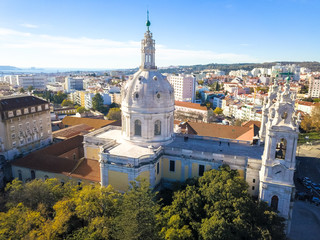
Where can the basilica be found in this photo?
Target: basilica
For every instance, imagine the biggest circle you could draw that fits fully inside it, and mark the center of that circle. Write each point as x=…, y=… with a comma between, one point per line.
x=147, y=147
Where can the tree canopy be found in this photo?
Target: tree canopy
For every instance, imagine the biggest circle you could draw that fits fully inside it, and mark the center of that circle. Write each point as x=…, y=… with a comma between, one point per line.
x=312, y=123
x=97, y=102
x=114, y=114
x=218, y=111
x=66, y=103
x=215, y=206
x=218, y=206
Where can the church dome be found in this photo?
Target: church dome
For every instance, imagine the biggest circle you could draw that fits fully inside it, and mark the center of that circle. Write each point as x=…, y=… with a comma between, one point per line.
x=147, y=101
x=148, y=91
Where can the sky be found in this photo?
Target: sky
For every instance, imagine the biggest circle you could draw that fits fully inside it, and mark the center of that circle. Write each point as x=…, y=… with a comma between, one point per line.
x=106, y=34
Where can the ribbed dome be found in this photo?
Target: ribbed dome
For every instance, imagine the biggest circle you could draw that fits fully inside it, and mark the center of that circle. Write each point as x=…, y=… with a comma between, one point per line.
x=148, y=91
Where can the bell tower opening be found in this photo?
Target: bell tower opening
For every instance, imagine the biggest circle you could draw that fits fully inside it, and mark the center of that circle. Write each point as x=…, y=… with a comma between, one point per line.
x=281, y=149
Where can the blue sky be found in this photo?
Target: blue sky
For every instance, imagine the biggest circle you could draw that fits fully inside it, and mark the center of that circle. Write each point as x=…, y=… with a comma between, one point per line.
x=107, y=33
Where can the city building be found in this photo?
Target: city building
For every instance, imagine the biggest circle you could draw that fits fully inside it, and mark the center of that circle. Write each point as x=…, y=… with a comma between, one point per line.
x=314, y=87
x=184, y=86
x=35, y=81
x=25, y=125
x=191, y=111
x=73, y=83
x=55, y=87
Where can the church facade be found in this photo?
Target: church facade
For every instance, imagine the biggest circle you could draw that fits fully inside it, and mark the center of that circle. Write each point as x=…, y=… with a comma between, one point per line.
x=146, y=146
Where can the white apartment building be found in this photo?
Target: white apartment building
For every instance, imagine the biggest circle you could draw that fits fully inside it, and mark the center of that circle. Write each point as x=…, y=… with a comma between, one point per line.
x=11, y=79
x=55, y=87
x=73, y=84
x=89, y=96
x=314, y=87
x=36, y=81
x=184, y=86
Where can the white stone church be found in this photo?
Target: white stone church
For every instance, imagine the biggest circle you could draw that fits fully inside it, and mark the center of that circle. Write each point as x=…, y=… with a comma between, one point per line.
x=146, y=146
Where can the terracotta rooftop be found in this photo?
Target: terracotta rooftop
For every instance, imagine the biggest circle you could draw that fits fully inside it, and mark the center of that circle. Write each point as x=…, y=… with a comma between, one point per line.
x=250, y=123
x=222, y=131
x=10, y=103
x=72, y=131
x=88, y=169
x=94, y=123
x=190, y=105
x=48, y=160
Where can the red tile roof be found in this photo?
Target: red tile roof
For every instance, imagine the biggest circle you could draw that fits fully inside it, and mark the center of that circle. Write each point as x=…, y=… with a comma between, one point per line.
x=222, y=131
x=190, y=105
x=95, y=123
x=72, y=131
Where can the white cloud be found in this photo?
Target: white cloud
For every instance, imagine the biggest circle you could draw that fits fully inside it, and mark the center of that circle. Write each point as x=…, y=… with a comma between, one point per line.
x=24, y=49
x=28, y=25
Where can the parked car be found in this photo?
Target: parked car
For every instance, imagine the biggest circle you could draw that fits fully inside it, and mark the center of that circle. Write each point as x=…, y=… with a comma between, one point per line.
x=315, y=200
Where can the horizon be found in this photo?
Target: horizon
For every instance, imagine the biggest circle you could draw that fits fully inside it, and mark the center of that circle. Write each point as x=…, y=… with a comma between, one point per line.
x=107, y=35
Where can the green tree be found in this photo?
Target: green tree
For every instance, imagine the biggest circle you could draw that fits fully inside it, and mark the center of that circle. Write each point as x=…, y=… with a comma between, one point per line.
x=97, y=102
x=81, y=110
x=218, y=206
x=218, y=111
x=36, y=192
x=315, y=115
x=21, y=90
x=137, y=218
x=114, y=114
x=66, y=103
x=59, y=97
x=30, y=88
x=20, y=223
x=306, y=123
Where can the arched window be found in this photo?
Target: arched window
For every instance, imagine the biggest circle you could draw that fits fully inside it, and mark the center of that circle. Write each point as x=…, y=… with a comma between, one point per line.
x=33, y=174
x=157, y=128
x=137, y=128
x=274, y=202
x=20, y=175
x=281, y=149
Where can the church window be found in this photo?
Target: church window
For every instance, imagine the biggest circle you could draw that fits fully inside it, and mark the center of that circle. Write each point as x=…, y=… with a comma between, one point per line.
x=172, y=166
x=157, y=128
x=252, y=187
x=158, y=95
x=158, y=167
x=137, y=128
x=274, y=202
x=20, y=175
x=201, y=170
x=253, y=180
x=33, y=174
x=284, y=115
x=137, y=95
x=281, y=149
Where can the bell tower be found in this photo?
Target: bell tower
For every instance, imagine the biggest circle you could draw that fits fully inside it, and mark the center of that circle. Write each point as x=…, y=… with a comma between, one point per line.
x=279, y=156
x=148, y=49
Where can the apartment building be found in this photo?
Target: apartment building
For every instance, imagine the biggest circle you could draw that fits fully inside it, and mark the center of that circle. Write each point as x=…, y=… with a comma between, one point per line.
x=24, y=125
x=314, y=87
x=73, y=84
x=184, y=86
x=37, y=82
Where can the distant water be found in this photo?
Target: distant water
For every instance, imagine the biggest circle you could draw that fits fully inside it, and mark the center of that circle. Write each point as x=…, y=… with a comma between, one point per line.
x=51, y=70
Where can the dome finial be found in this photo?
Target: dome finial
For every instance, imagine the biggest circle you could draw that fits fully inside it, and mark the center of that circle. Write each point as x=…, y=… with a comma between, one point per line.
x=148, y=22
